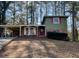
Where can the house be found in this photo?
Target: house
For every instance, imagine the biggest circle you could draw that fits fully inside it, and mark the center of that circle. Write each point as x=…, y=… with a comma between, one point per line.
x=56, y=27
x=22, y=30
x=49, y=24
x=55, y=23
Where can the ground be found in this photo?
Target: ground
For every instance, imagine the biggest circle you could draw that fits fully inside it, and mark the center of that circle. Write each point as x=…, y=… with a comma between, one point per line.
x=40, y=48
x=4, y=42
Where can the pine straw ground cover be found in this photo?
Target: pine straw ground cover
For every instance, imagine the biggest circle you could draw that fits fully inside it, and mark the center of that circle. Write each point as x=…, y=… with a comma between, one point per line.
x=40, y=48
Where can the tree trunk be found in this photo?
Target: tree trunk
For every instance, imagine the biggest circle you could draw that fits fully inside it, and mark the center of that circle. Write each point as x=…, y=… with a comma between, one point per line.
x=74, y=29
x=32, y=17
x=27, y=12
x=46, y=8
x=64, y=8
x=3, y=17
x=55, y=9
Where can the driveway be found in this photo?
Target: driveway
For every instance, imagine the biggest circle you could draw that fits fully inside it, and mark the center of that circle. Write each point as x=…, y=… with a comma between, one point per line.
x=4, y=41
x=40, y=48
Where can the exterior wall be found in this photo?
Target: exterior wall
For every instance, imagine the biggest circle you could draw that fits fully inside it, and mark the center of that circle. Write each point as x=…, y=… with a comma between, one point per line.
x=62, y=27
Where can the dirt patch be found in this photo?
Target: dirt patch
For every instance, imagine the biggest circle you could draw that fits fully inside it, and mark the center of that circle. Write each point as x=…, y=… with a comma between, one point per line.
x=40, y=48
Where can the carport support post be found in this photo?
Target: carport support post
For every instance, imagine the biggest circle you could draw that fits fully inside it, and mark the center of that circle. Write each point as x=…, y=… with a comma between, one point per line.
x=20, y=31
x=5, y=31
x=28, y=30
x=37, y=31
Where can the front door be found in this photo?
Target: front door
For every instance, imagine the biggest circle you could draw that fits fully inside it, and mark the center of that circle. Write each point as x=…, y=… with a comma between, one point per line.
x=41, y=31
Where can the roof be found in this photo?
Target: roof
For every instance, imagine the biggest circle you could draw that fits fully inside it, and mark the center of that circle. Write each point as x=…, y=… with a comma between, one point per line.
x=20, y=25
x=52, y=17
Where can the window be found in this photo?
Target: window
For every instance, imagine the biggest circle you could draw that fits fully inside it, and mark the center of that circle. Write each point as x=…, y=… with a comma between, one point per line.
x=56, y=21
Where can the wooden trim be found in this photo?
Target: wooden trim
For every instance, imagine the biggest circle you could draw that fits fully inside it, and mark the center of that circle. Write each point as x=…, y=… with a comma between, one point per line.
x=20, y=32
x=5, y=31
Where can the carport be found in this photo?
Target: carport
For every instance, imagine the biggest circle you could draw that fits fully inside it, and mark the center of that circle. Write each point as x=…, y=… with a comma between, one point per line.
x=10, y=30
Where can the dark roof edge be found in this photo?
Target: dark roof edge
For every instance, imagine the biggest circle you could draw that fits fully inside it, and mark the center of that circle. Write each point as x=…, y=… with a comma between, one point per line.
x=54, y=16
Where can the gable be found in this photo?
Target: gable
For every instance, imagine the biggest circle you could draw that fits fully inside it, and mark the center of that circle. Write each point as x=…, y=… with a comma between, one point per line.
x=46, y=18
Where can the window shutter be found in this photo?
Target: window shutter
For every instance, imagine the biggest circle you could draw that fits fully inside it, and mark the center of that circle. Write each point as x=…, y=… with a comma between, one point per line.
x=52, y=20
x=60, y=20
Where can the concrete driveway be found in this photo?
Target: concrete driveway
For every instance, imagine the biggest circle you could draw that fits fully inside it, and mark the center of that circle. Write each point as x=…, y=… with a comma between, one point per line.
x=40, y=48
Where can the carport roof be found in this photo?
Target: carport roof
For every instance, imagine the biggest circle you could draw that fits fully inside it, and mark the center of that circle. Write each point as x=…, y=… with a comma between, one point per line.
x=20, y=25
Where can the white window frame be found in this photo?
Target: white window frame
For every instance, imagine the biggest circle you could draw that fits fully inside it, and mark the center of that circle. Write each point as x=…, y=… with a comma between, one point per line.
x=56, y=21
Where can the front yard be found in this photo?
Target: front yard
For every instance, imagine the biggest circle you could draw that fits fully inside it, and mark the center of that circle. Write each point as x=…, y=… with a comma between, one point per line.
x=40, y=48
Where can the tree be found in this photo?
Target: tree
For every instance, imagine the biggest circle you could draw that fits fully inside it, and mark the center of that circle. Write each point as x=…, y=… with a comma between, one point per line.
x=3, y=7
x=74, y=28
x=73, y=12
